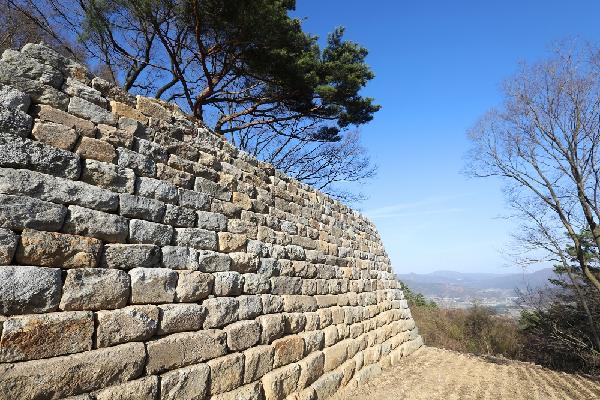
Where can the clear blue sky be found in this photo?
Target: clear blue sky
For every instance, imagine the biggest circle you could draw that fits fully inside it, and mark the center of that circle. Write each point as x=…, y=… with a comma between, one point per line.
x=439, y=66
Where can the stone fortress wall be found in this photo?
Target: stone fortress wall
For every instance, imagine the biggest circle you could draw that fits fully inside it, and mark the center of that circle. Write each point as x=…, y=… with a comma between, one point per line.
x=144, y=257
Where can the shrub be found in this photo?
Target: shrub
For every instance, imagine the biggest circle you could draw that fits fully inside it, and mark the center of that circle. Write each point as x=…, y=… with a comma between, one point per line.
x=477, y=330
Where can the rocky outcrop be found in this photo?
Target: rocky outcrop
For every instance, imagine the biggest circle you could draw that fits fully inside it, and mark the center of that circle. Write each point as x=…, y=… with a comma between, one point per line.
x=144, y=257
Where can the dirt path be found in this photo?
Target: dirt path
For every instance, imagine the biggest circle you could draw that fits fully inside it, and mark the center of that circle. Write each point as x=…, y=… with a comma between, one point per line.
x=431, y=374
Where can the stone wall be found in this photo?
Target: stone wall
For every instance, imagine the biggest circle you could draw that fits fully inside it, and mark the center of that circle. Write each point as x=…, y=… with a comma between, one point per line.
x=144, y=257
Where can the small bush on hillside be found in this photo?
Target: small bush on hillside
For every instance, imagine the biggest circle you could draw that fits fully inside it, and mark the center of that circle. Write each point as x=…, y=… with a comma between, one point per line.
x=477, y=330
x=416, y=299
x=560, y=328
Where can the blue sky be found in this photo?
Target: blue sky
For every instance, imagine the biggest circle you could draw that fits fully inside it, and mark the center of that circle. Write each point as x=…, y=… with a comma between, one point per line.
x=439, y=66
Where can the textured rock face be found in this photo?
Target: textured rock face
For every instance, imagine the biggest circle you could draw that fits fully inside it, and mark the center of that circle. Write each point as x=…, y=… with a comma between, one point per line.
x=144, y=257
x=58, y=377
x=51, y=249
x=129, y=324
x=27, y=289
x=32, y=337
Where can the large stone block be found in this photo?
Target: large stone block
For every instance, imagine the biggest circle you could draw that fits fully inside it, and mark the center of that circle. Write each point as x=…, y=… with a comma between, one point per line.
x=250, y=306
x=286, y=285
x=124, y=110
x=194, y=200
x=20, y=212
x=256, y=284
x=157, y=189
x=185, y=383
x=272, y=304
x=40, y=52
x=57, y=190
x=14, y=119
x=26, y=290
x=81, y=126
x=313, y=341
x=335, y=355
x=232, y=242
x=183, y=349
x=51, y=249
x=212, y=221
x=108, y=176
x=295, y=252
x=312, y=321
x=141, y=164
x=32, y=337
x=196, y=238
x=211, y=188
x=154, y=150
x=116, y=137
x=328, y=384
x=129, y=324
x=221, y=311
x=141, y=389
x=39, y=92
x=129, y=256
x=14, y=99
x=179, y=257
x=90, y=111
x=272, y=327
x=141, y=231
x=8, y=246
x=176, y=177
x=30, y=68
x=152, y=285
x=194, y=286
x=55, y=135
x=210, y=261
x=15, y=122
x=96, y=149
x=244, y=262
x=311, y=369
x=86, y=222
x=242, y=335
x=288, y=349
x=242, y=200
x=282, y=382
x=258, y=361
x=180, y=318
x=299, y=303
x=95, y=289
x=252, y=391
x=141, y=207
x=154, y=108
x=226, y=373
x=294, y=322
x=305, y=394
x=180, y=217
x=75, y=88
x=228, y=283
x=78, y=373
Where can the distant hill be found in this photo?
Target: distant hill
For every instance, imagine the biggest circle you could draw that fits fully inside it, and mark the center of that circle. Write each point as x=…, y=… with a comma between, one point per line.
x=452, y=284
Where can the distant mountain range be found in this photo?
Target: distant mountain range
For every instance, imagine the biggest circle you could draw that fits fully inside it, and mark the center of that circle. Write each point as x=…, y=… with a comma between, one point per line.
x=451, y=284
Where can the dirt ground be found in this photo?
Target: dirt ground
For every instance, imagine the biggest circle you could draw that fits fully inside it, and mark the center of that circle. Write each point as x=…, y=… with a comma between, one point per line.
x=431, y=374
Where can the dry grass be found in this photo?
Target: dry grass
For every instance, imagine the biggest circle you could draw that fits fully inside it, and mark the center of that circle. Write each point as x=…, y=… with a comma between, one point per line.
x=435, y=374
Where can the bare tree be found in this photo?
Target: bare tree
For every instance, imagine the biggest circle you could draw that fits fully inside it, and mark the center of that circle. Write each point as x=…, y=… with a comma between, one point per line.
x=18, y=29
x=540, y=231
x=543, y=141
x=296, y=150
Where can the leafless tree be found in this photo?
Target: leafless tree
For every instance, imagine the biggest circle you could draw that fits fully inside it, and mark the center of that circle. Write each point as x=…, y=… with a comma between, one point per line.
x=326, y=165
x=543, y=141
x=540, y=231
